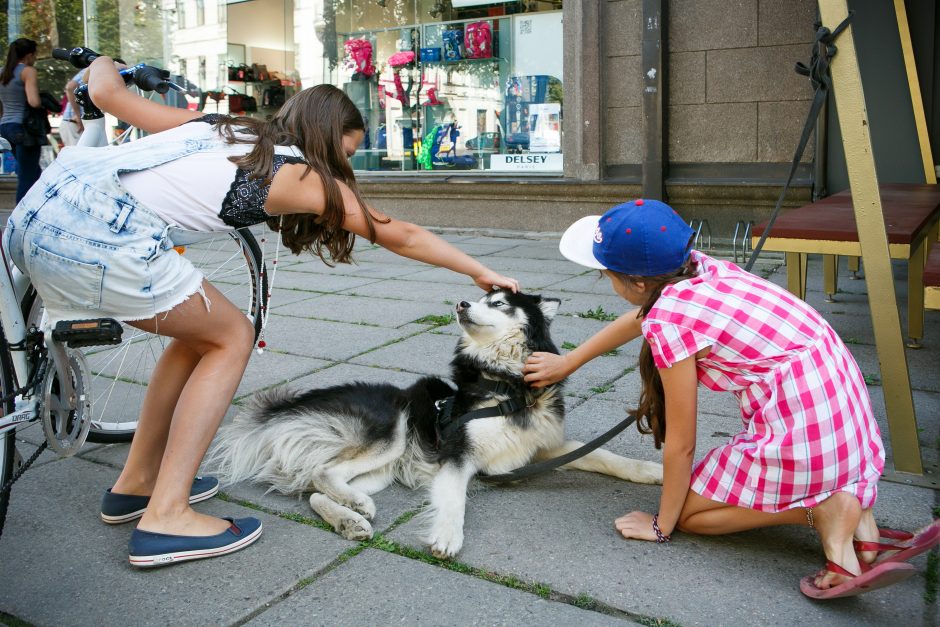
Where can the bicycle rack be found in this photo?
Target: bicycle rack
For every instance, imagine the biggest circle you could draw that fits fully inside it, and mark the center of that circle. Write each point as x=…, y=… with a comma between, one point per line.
x=697, y=226
x=743, y=229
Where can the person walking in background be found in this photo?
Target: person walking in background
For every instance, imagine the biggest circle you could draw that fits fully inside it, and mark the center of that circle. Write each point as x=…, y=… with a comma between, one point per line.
x=71, y=127
x=19, y=89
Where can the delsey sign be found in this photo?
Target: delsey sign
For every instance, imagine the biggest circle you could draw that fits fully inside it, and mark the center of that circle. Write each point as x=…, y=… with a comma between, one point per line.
x=533, y=162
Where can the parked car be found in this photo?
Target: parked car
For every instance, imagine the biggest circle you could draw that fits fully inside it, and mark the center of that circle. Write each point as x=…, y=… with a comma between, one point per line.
x=484, y=141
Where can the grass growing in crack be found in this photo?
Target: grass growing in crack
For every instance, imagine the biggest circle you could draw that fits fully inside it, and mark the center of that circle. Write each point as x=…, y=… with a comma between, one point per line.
x=293, y=516
x=568, y=346
x=585, y=601
x=932, y=576
x=600, y=389
x=384, y=544
x=437, y=321
x=13, y=621
x=871, y=379
x=656, y=622
x=598, y=314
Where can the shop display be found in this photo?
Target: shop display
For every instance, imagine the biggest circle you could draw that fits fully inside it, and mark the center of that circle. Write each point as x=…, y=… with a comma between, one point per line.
x=478, y=94
x=359, y=58
x=241, y=103
x=430, y=55
x=453, y=44
x=478, y=40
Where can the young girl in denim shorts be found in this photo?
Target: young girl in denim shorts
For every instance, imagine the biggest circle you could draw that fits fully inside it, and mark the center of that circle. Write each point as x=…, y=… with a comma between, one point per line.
x=95, y=235
x=810, y=452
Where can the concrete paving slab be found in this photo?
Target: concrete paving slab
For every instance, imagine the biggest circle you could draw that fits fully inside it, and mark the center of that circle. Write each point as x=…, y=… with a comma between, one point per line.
x=432, y=293
x=402, y=591
x=427, y=353
x=347, y=373
x=580, y=304
x=558, y=530
x=547, y=250
x=530, y=281
x=62, y=565
x=327, y=340
x=295, y=278
x=269, y=369
x=381, y=312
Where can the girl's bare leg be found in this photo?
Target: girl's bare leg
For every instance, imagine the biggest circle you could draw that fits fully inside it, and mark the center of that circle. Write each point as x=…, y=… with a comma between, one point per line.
x=185, y=407
x=169, y=376
x=837, y=519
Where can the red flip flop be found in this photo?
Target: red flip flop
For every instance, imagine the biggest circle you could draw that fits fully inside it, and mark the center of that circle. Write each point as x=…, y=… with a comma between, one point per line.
x=878, y=576
x=912, y=544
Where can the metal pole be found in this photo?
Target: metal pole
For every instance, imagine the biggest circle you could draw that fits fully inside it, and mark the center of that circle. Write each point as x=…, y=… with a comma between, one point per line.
x=653, y=82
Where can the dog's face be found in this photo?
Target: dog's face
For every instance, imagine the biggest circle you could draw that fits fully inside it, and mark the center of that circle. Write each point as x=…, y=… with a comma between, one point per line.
x=504, y=318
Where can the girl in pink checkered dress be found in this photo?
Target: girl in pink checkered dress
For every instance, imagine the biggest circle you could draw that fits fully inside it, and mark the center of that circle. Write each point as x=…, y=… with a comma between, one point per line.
x=810, y=451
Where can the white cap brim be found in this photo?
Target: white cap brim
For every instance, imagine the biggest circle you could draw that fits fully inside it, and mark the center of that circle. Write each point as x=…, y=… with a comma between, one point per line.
x=577, y=243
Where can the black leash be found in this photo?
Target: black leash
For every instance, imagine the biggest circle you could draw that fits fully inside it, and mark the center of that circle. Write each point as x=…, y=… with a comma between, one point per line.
x=551, y=464
x=818, y=73
x=447, y=425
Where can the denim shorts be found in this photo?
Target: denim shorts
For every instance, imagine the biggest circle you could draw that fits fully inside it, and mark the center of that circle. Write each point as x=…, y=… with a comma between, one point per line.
x=92, y=256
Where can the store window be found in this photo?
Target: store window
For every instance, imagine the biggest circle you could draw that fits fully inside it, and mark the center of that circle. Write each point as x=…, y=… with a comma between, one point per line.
x=453, y=85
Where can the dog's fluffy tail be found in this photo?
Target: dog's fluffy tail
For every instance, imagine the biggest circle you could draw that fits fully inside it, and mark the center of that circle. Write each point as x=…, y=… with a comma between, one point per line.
x=278, y=441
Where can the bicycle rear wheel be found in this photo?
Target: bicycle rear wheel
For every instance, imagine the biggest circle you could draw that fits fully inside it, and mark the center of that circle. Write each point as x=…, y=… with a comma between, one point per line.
x=7, y=440
x=233, y=263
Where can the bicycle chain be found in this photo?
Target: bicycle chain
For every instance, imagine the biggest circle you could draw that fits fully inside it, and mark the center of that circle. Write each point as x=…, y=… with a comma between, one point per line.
x=19, y=473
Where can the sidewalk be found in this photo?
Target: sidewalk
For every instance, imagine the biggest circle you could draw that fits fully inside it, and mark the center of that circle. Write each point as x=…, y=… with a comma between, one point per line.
x=541, y=552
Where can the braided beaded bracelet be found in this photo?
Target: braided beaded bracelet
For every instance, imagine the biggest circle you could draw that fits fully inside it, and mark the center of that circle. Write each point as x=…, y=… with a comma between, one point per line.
x=660, y=536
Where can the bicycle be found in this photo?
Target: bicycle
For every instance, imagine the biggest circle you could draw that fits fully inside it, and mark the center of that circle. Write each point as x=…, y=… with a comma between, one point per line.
x=55, y=377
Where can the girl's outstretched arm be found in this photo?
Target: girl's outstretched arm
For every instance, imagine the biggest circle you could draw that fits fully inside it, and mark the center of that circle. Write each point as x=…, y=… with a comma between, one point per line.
x=543, y=369
x=292, y=192
x=680, y=383
x=108, y=92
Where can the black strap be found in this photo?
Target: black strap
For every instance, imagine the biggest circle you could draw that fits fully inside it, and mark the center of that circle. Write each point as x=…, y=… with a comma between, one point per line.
x=448, y=424
x=551, y=464
x=818, y=72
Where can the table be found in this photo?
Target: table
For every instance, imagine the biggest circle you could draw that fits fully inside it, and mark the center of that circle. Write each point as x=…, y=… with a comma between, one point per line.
x=827, y=227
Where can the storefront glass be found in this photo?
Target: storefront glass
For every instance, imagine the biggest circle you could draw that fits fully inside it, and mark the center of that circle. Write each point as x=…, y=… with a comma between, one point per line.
x=460, y=85
x=443, y=85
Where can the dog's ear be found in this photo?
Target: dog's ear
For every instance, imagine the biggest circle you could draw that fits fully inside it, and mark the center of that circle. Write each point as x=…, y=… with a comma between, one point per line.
x=549, y=307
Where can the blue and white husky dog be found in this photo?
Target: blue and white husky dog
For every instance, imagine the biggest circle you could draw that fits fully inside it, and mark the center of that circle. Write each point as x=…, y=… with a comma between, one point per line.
x=345, y=442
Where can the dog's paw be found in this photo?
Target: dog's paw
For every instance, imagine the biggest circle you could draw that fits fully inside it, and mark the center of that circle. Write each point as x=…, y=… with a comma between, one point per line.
x=445, y=544
x=365, y=506
x=354, y=528
x=648, y=472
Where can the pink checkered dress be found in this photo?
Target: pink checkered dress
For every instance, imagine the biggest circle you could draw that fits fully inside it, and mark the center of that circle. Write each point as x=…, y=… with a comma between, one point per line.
x=809, y=430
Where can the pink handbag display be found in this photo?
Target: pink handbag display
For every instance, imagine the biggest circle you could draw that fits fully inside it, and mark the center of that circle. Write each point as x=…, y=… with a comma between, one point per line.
x=359, y=57
x=401, y=59
x=478, y=40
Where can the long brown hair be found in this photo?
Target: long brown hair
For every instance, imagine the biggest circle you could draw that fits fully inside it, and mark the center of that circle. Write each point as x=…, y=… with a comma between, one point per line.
x=19, y=48
x=315, y=121
x=651, y=412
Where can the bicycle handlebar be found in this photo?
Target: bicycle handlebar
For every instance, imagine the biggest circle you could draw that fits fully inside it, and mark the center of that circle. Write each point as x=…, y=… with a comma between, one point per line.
x=146, y=77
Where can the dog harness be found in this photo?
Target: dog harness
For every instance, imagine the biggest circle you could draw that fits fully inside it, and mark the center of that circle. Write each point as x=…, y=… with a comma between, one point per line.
x=447, y=424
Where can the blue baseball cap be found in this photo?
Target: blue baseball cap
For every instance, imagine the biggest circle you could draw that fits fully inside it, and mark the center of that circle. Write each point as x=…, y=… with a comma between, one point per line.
x=639, y=238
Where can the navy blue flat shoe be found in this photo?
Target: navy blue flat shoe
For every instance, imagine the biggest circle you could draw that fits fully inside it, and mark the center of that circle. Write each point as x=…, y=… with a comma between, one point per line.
x=122, y=508
x=148, y=549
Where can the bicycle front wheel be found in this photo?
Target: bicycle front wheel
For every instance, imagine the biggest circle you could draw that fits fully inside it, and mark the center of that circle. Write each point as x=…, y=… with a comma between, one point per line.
x=233, y=263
